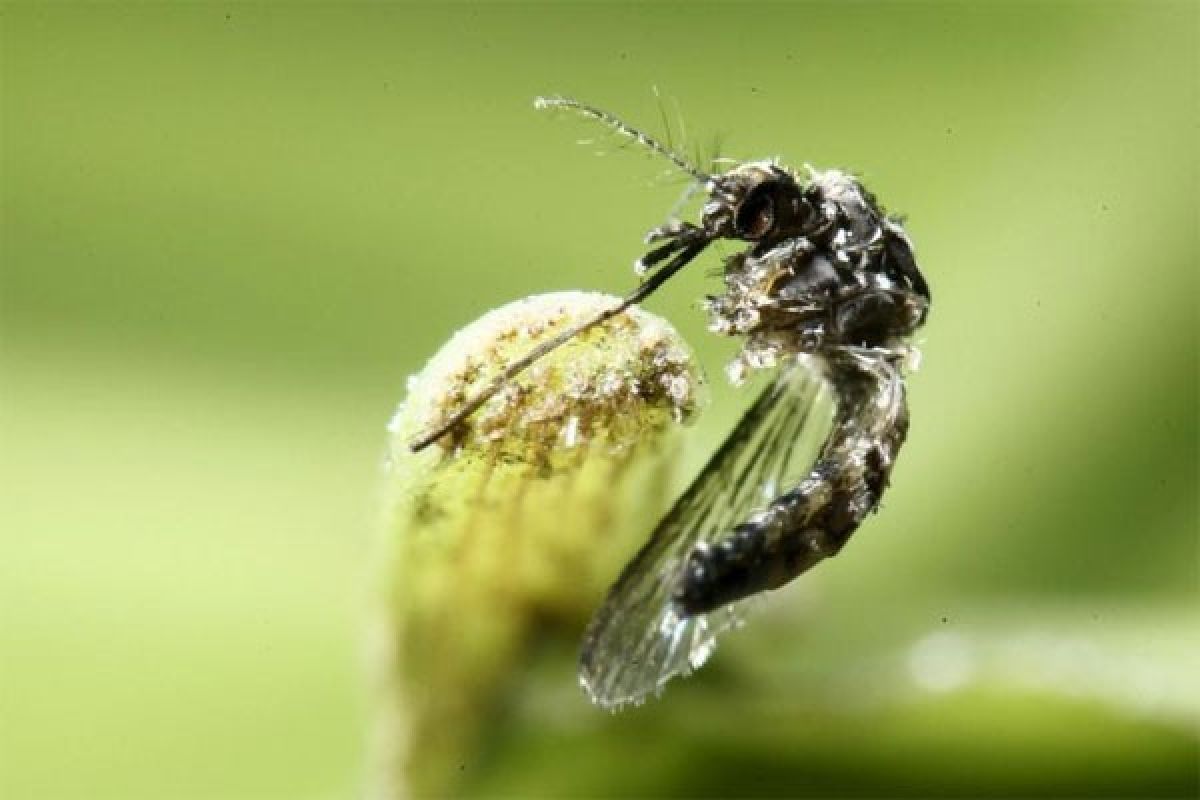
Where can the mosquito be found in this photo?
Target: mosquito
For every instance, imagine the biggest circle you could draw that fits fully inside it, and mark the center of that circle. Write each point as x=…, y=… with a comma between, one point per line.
x=825, y=292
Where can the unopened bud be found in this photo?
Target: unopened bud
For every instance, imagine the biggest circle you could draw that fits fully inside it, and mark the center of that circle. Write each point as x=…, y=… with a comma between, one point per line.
x=514, y=523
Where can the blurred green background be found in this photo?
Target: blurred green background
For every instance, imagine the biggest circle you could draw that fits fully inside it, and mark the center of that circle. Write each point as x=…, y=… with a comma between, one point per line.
x=231, y=231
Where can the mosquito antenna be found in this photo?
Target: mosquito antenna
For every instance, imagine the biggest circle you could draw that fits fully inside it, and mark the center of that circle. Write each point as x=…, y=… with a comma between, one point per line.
x=689, y=251
x=605, y=118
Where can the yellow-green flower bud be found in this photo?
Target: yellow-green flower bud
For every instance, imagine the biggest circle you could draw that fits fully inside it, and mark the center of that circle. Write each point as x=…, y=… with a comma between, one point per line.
x=512, y=525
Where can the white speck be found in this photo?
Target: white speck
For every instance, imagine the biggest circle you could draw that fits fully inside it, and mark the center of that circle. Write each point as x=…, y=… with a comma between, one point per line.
x=912, y=359
x=571, y=431
x=700, y=652
x=669, y=622
x=736, y=371
x=678, y=388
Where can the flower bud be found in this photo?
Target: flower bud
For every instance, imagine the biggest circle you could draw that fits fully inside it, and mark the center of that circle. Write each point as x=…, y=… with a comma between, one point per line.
x=512, y=526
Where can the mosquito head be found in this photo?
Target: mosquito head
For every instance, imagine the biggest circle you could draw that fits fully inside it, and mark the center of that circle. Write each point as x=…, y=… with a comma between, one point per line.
x=756, y=201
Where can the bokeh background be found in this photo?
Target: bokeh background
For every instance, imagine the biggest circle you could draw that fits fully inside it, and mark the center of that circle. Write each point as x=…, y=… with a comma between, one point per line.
x=231, y=231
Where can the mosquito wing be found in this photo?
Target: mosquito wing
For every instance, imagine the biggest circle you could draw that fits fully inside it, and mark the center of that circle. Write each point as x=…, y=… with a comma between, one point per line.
x=638, y=640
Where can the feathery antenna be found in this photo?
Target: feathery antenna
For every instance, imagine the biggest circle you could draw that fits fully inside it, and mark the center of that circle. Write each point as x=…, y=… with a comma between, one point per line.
x=605, y=118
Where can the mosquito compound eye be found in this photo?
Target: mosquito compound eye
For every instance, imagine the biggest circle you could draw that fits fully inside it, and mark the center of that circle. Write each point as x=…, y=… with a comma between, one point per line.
x=756, y=215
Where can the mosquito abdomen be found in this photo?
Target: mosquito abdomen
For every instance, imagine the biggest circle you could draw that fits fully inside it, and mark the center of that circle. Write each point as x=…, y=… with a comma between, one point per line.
x=814, y=520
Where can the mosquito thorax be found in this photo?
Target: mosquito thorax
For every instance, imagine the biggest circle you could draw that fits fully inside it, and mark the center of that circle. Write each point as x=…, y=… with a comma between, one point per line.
x=823, y=265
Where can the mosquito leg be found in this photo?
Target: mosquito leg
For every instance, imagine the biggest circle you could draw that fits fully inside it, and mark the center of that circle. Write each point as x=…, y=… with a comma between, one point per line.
x=677, y=234
x=670, y=229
